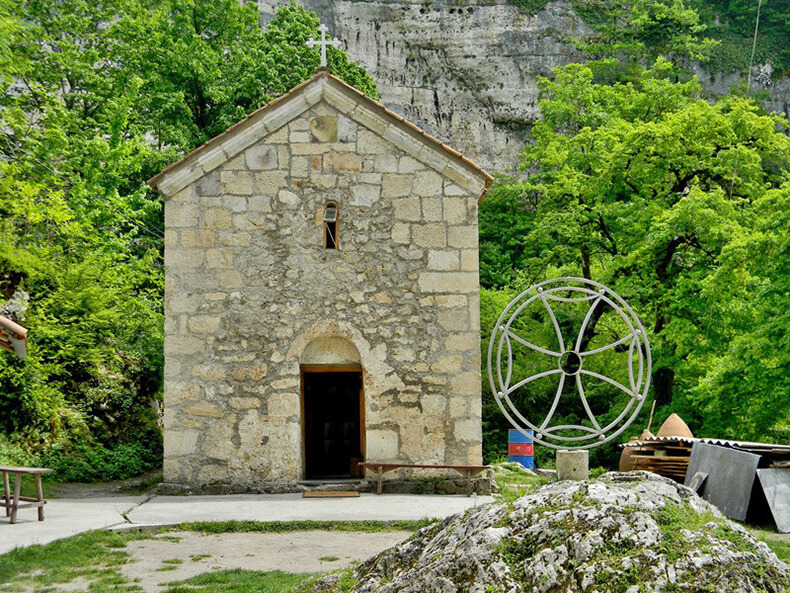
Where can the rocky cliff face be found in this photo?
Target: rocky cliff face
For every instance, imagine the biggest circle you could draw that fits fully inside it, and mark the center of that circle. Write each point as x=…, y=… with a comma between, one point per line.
x=464, y=70
x=624, y=532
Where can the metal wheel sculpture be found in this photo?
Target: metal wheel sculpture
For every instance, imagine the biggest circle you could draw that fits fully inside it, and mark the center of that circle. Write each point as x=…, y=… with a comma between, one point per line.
x=570, y=362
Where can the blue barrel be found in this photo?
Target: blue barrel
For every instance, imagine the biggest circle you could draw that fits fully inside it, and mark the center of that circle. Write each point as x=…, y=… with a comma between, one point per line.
x=520, y=448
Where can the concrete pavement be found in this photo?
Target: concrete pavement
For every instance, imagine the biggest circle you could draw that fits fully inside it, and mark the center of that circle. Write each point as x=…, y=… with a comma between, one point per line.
x=67, y=517
x=63, y=518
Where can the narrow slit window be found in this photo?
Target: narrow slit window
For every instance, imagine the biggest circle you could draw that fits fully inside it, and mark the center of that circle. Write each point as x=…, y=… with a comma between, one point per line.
x=330, y=226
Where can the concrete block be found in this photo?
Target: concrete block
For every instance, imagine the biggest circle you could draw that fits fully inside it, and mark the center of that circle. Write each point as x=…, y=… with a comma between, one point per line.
x=268, y=183
x=383, y=445
x=573, y=464
x=365, y=194
x=395, y=186
x=453, y=282
x=238, y=183
x=407, y=209
x=217, y=219
x=432, y=209
x=261, y=157
x=178, y=443
x=401, y=233
x=443, y=260
x=429, y=235
x=180, y=215
x=428, y=183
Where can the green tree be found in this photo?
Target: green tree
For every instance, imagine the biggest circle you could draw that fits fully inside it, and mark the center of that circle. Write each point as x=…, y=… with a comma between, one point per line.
x=630, y=35
x=746, y=388
x=95, y=98
x=651, y=190
x=505, y=218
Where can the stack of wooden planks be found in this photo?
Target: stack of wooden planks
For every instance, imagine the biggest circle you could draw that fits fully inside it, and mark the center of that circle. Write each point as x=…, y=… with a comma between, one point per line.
x=669, y=458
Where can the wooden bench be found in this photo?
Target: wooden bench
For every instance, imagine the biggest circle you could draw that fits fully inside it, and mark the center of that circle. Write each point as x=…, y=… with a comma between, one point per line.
x=12, y=504
x=382, y=467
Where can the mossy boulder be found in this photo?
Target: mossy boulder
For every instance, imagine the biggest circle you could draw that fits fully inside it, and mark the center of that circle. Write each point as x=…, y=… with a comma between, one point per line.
x=629, y=532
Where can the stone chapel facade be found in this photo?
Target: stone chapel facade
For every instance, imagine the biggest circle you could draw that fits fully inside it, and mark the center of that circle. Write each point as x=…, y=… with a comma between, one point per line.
x=322, y=297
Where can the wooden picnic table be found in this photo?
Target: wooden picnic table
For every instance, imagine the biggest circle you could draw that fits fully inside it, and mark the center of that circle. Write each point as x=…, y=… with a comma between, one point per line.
x=10, y=503
x=382, y=467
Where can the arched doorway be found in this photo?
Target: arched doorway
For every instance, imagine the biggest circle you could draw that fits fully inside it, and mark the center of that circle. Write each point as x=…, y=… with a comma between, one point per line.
x=333, y=423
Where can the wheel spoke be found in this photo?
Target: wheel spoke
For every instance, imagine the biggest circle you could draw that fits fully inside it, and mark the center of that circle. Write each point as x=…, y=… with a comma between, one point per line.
x=583, y=328
x=608, y=346
x=557, y=397
x=530, y=379
x=535, y=347
x=553, y=321
x=617, y=384
x=586, y=405
x=550, y=432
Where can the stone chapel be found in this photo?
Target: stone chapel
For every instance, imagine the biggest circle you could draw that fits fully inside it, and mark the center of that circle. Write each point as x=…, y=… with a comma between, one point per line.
x=322, y=297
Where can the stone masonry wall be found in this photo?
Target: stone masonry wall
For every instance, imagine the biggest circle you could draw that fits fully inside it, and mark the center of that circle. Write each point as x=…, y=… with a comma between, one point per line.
x=249, y=286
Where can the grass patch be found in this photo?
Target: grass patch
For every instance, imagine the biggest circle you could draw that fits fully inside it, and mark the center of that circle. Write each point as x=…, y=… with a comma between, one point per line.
x=514, y=482
x=329, y=558
x=521, y=479
x=171, y=564
x=672, y=519
x=779, y=544
x=509, y=495
x=94, y=557
x=238, y=581
x=781, y=549
x=287, y=526
x=346, y=581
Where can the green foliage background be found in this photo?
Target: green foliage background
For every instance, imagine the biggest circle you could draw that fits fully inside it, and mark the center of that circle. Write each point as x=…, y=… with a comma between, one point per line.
x=678, y=203
x=97, y=97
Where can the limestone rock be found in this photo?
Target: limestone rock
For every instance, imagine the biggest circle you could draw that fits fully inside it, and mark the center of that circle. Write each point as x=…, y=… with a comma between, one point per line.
x=623, y=532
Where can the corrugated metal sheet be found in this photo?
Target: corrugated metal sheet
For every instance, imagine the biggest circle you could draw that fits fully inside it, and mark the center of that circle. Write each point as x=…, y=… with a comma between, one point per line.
x=742, y=445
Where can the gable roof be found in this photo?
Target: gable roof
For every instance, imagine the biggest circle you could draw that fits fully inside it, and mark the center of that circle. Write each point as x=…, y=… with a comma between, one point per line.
x=346, y=99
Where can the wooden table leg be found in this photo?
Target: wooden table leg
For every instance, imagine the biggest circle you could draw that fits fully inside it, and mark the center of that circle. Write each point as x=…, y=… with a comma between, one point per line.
x=40, y=496
x=381, y=471
x=469, y=482
x=7, y=494
x=17, y=491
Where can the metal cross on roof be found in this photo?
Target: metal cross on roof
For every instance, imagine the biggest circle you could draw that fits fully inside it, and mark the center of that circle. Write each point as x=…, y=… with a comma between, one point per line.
x=323, y=43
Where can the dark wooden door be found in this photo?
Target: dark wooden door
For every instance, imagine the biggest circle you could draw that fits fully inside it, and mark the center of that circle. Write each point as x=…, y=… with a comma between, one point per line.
x=332, y=423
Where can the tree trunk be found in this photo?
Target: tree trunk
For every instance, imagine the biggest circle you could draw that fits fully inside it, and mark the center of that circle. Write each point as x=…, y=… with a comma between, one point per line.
x=663, y=383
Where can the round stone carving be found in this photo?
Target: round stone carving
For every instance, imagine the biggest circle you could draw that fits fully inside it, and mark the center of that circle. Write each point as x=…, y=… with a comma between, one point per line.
x=625, y=371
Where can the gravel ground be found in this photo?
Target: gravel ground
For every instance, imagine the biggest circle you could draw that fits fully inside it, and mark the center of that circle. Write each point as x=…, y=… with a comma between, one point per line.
x=297, y=552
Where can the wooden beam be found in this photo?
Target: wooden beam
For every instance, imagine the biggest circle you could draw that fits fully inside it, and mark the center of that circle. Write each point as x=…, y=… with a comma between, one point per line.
x=12, y=328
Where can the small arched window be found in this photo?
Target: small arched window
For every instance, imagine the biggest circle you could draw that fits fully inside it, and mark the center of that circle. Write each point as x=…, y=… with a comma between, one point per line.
x=330, y=226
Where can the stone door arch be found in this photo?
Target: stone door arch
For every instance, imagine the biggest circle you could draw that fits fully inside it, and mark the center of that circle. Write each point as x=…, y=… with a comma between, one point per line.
x=333, y=410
